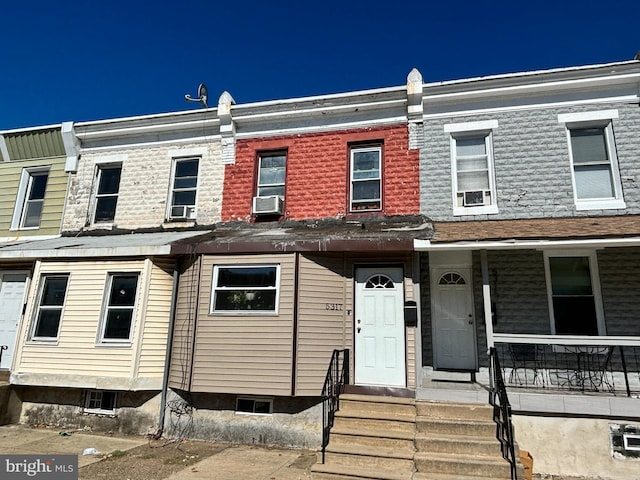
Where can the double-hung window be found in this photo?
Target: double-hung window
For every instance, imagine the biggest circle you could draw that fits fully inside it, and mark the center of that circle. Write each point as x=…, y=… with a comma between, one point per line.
x=472, y=167
x=184, y=187
x=574, y=293
x=53, y=290
x=108, y=186
x=119, y=307
x=248, y=289
x=366, y=179
x=30, y=199
x=593, y=158
x=271, y=174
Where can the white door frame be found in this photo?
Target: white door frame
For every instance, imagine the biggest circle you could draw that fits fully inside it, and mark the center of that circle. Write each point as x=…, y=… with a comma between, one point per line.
x=20, y=314
x=462, y=265
x=366, y=370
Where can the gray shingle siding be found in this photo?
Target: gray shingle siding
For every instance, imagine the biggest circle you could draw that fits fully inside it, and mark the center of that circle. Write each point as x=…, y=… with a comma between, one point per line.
x=531, y=158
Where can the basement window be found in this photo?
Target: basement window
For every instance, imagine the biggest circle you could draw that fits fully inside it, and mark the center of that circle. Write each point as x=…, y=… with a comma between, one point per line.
x=100, y=402
x=256, y=406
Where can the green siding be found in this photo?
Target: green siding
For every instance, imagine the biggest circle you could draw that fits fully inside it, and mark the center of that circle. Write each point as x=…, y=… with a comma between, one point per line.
x=34, y=144
x=10, y=175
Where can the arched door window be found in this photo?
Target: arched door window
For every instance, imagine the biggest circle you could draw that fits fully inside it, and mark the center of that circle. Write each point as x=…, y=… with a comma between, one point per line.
x=379, y=281
x=452, y=278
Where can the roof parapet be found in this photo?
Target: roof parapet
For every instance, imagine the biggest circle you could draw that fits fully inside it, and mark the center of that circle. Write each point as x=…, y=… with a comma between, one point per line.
x=71, y=146
x=227, y=128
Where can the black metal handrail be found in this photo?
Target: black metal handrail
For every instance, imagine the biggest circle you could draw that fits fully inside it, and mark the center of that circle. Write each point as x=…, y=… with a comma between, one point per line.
x=501, y=412
x=2, y=349
x=337, y=377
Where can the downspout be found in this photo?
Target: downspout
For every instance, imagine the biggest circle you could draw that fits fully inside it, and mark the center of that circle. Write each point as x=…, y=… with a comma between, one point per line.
x=296, y=285
x=167, y=357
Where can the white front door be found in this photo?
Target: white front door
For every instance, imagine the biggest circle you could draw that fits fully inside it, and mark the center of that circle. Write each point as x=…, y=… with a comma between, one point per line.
x=12, y=287
x=454, y=322
x=379, y=327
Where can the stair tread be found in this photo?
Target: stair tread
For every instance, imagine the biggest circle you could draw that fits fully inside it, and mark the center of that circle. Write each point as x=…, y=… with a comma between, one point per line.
x=456, y=438
x=456, y=457
x=448, y=476
x=372, y=432
x=362, y=472
x=377, y=399
x=363, y=450
x=369, y=415
x=423, y=418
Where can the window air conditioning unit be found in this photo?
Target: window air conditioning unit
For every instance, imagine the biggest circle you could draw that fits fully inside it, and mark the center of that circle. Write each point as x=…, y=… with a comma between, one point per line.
x=182, y=212
x=474, y=198
x=272, y=205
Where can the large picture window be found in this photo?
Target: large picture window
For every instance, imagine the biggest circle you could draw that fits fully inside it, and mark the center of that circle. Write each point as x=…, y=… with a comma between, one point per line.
x=53, y=290
x=251, y=289
x=119, y=307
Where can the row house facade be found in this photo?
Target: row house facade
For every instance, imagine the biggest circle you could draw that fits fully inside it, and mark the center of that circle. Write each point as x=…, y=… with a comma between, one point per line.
x=191, y=273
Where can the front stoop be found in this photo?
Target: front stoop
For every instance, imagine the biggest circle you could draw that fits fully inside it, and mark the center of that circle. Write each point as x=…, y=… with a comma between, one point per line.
x=372, y=439
x=458, y=441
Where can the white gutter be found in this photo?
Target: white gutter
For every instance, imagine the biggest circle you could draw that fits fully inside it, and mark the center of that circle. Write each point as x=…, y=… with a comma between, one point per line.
x=87, y=252
x=165, y=127
x=592, y=340
x=427, y=246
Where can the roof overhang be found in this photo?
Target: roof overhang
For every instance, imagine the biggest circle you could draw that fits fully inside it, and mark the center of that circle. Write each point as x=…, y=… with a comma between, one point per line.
x=595, y=243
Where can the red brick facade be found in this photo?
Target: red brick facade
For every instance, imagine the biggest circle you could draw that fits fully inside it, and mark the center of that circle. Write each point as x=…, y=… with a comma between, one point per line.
x=317, y=174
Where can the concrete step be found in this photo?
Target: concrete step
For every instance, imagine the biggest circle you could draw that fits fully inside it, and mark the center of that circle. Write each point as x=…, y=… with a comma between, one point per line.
x=326, y=471
x=467, y=428
x=362, y=421
x=455, y=464
x=373, y=438
x=4, y=375
x=462, y=411
x=360, y=456
x=460, y=444
x=445, y=476
x=378, y=405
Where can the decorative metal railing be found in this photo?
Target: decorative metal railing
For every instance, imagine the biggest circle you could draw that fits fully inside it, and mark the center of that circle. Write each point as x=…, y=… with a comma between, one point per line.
x=337, y=377
x=590, y=368
x=501, y=411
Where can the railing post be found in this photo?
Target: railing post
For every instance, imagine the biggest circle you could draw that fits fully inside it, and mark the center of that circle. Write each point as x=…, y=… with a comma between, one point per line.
x=624, y=369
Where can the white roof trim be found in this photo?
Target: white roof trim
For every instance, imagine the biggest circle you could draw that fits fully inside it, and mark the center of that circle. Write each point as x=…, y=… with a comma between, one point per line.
x=4, y=150
x=427, y=246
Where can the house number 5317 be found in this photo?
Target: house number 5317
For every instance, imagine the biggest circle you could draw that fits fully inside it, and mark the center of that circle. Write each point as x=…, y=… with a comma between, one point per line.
x=334, y=306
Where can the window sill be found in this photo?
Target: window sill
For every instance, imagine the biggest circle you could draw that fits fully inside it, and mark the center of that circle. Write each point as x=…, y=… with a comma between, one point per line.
x=484, y=210
x=600, y=204
x=123, y=344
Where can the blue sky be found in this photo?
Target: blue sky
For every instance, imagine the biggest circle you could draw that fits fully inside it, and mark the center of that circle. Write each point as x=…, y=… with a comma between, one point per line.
x=90, y=60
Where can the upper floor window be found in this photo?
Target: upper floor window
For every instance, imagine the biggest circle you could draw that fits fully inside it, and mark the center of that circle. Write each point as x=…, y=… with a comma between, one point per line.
x=594, y=163
x=472, y=167
x=248, y=289
x=53, y=290
x=119, y=308
x=108, y=186
x=366, y=179
x=574, y=294
x=184, y=187
x=30, y=199
x=271, y=174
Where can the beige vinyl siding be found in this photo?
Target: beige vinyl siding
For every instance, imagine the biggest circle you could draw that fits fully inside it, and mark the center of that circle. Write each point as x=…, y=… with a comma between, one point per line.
x=185, y=324
x=320, y=330
x=76, y=351
x=156, y=320
x=245, y=354
x=10, y=176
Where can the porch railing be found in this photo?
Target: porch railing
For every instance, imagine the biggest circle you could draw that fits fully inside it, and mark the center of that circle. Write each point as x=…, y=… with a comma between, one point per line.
x=337, y=377
x=592, y=368
x=501, y=411
x=2, y=349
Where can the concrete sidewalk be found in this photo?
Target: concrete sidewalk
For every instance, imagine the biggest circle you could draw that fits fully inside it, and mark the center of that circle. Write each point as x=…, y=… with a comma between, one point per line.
x=26, y=440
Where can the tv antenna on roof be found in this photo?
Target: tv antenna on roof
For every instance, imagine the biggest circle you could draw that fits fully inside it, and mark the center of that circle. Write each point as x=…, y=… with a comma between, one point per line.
x=202, y=96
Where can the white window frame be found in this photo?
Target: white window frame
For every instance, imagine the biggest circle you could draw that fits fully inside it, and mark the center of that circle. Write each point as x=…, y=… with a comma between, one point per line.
x=172, y=189
x=99, y=169
x=274, y=153
x=465, y=130
x=595, y=285
x=365, y=148
x=39, y=307
x=596, y=119
x=23, y=193
x=106, y=307
x=95, y=396
x=214, y=288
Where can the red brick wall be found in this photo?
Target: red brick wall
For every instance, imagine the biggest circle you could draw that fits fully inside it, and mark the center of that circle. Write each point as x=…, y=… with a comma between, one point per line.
x=317, y=181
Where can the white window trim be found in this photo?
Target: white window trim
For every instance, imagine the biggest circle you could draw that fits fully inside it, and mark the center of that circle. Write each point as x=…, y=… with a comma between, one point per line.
x=21, y=197
x=267, y=154
x=364, y=148
x=98, y=176
x=174, y=164
x=484, y=127
x=595, y=284
x=38, y=304
x=601, y=118
x=274, y=312
x=106, y=297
